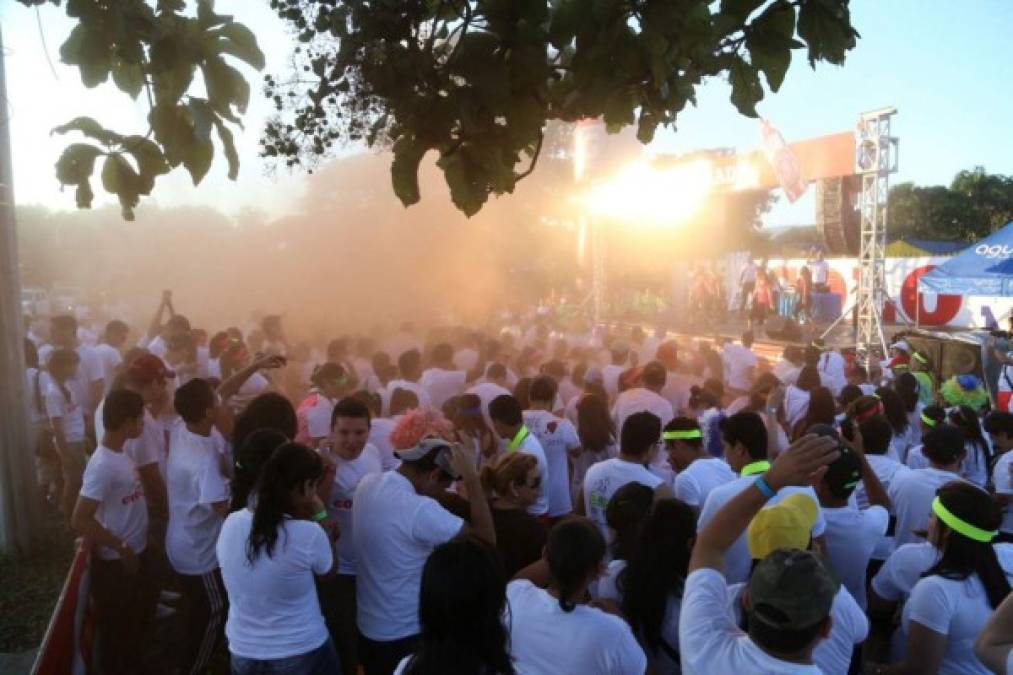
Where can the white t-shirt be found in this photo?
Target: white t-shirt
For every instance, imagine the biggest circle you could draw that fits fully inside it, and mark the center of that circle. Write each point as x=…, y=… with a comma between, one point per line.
x=832, y=374
x=346, y=479
x=886, y=469
x=660, y=661
x=604, y=478
x=957, y=609
x=148, y=448
x=710, y=642
x=533, y=447
x=557, y=438
x=637, y=400
x=194, y=482
x=35, y=389
x=851, y=537
x=256, y=385
x=676, y=392
x=796, y=405
x=109, y=359
x=89, y=370
x=911, y=496
x=318, y=417
x=420, y=393
x=587, y=641
x=695, y=482
x=487, y=392
x=850, y=627
x=820, y=270
x=110, y=479
x=738, y=360
x=465, y=359
x=1004, y=486
x=273, y=608
x=442, y=385
x=610, y=379
x=394, y=531
x=737, y=559
x=68, y=409
x=895, y=579
x=379, y=437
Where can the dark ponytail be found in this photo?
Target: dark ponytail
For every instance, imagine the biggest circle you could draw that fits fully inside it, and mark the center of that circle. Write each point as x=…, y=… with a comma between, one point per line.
x=574, y=551
x=625, y=515
x=290, y=466
x=966, y=419
x=962, y=556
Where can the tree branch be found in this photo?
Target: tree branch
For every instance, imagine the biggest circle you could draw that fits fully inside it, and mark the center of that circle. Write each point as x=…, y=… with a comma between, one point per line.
x=534, y=158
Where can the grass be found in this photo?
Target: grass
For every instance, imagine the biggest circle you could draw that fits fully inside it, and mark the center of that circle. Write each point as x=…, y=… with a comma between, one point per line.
x=30, y=589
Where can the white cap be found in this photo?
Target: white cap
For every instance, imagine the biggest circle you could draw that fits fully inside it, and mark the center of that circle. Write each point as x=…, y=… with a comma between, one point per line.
x=901, y=345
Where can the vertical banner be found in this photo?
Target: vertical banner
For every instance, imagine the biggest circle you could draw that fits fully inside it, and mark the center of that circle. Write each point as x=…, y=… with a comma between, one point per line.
x=784, y=162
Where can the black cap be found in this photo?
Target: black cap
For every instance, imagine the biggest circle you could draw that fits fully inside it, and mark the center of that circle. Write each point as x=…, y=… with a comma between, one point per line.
x=844, y=473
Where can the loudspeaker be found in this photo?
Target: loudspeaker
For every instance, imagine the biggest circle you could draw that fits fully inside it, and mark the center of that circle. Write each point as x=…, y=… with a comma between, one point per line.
x=837, y=217
x=784, y=328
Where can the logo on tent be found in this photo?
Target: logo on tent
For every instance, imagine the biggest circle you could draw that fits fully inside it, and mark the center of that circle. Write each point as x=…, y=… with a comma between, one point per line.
x=997, y=251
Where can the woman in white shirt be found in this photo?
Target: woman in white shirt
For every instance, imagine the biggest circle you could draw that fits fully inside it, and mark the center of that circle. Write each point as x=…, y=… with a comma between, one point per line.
x=977, y=463
x=67, y=421
x=951, y=603
x=796, y=396
x=597, y=438
x=461, y=603
x=648, y=586
x=269, y=556
x=551, y=632
x=330, y=384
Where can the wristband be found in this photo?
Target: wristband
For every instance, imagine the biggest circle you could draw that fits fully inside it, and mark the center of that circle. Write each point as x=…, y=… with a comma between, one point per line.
x=763, y=487
x=319, y=515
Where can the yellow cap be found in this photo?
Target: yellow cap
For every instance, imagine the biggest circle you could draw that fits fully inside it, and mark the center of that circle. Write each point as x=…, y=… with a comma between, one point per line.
x=787, y=524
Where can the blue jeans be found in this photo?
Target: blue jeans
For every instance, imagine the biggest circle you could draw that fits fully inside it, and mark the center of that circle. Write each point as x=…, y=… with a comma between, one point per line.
x=321, y=661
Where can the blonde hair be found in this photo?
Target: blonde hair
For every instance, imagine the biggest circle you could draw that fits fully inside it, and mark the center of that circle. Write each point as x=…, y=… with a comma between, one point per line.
x=506, y=470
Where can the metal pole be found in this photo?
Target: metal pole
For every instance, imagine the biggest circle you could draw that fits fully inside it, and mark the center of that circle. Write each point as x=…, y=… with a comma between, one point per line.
x=20, y=519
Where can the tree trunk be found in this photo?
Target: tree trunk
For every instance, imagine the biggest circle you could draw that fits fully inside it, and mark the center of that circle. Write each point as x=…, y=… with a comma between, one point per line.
x=19, y=513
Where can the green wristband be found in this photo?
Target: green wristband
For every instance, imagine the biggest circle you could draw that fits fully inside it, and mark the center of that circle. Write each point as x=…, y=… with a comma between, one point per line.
x=319, y=516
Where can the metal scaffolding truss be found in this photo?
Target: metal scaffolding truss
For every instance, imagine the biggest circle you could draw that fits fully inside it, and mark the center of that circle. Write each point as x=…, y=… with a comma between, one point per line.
x=875, y=160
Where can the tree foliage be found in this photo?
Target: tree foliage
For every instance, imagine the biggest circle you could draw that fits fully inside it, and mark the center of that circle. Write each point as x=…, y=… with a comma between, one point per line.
x=974, y=205
x=477, y=80
x=164, y=52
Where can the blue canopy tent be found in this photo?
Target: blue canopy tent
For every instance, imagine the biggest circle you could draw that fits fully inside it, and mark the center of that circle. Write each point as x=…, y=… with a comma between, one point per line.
x=985, y=268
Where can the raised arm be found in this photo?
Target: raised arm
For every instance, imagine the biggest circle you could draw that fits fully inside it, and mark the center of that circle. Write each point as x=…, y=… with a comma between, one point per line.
x=803, y=463
x=481, y=526
x=155, y=327
x=230, y=387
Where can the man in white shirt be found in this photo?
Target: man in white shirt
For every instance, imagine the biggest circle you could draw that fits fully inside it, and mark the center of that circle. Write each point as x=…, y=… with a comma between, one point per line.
x=198, y=503
x=677, y=388
x=698, y=473
x=494, y=385
x=108, y=351
x=112, y=516
x=443, y=381
x=747, y=283
x=409, y=365
x=911, y=494
x=638, y=443
x=396, y=524
x=620, y=354
x=790, y=594
x=740, y=365
x=999, y=426
x=558, y=439
x=647, y=398
x=820, y=270
x=745, y=437
x=89, y=383
x=852, y=534
x=353, y=459
x=508, y=423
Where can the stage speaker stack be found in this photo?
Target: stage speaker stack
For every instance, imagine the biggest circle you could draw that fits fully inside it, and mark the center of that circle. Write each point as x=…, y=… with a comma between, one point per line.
x=837, y=217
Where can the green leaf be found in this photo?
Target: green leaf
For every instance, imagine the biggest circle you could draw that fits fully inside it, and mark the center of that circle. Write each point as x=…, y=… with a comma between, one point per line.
x=129, y=77
x=646, y=127
x=239, y=41
x=746, y=88
x=466, y=191
x=404, y=170
x=89, y=127
x=206, y=17
x=172, y=70
x=90, y=51
x=740, y=9
x=119, y=178
x=770, y=40
x=84, y=195
x=825, y=26
x=173, y=130
x=150, y=161
x=620, y=110
x=226, y=87
x=566, y=22
x=76, y=163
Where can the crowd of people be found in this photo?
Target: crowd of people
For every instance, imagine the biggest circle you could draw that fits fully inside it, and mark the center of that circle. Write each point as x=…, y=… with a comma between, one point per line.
x=523, y=499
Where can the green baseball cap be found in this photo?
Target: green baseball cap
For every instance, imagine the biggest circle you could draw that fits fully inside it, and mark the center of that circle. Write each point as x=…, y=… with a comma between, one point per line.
x=791, y=590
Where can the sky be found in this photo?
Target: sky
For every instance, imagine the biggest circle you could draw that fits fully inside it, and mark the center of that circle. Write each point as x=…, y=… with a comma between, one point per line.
x=936, y=61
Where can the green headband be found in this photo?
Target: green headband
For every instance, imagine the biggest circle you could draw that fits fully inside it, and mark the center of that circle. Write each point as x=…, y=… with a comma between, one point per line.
x=682, y=435
x=961, y=526
x=928, y=421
